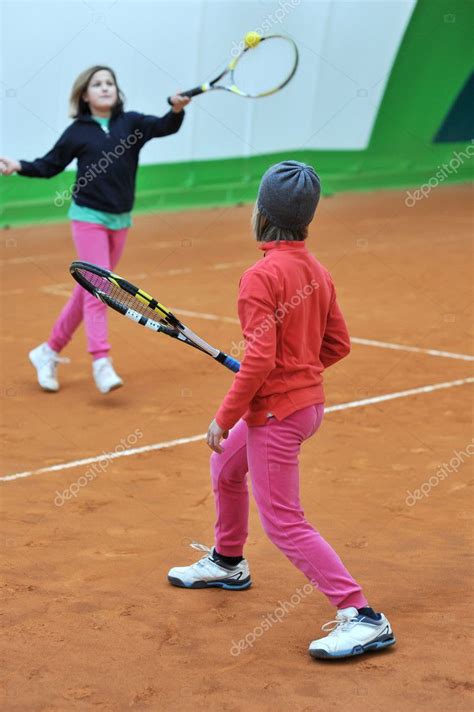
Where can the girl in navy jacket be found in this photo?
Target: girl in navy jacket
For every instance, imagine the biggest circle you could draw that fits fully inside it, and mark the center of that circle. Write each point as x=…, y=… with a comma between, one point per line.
x=106, y=140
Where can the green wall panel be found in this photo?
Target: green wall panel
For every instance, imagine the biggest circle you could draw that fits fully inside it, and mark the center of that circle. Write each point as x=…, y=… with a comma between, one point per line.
x=432, y=65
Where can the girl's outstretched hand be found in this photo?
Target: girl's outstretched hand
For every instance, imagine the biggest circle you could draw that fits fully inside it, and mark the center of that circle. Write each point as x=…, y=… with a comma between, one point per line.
x=215, y=435
x=8, y=166
x=179, y=102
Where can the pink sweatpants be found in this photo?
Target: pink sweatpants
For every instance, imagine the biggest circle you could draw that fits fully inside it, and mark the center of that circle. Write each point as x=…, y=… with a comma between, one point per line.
x=271, y=453
x=103, y=247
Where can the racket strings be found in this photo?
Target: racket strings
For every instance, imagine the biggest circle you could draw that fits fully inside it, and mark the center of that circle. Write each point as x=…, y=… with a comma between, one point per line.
x=120, y=296
x=266, y=67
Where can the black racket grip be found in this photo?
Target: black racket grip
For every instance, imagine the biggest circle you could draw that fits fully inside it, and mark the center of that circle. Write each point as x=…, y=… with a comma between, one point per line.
x=189, y=92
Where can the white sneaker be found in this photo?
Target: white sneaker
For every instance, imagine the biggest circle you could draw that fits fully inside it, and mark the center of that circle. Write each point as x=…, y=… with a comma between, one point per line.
x=208, y=573
x=45, y=360
x=352, y=634
x=104, y=374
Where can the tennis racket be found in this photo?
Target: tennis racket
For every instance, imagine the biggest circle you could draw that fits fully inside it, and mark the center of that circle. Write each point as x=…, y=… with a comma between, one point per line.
x=263, y=66
x=140, y=307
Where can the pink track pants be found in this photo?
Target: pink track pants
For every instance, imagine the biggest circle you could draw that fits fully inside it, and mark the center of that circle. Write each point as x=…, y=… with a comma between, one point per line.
x=103, y=247
x=270, y=452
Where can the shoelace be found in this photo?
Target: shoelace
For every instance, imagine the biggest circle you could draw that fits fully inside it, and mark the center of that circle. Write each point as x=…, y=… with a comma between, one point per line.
x=52, y=361
x=105, y=366
x=207, y=555
x=200, y=547
x=337, y=625
x=60, y=359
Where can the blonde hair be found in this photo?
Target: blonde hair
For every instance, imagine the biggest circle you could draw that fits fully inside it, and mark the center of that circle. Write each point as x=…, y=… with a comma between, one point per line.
x=266, y=231
x=76, y=102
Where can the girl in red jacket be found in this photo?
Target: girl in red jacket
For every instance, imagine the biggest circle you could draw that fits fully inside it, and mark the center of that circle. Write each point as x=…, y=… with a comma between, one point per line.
x=293, y=330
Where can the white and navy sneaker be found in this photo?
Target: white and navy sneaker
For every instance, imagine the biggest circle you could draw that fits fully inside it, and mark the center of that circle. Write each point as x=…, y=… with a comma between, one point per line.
x=104, y=374
x=210, y=573
x=352, y=634
x=45, y=360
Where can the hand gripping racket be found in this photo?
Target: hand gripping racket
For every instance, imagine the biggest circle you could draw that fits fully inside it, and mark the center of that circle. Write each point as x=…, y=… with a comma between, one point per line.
x=263, y=66
x=140, y=307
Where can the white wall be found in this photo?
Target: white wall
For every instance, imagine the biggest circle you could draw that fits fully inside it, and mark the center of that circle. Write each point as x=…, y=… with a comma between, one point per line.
x=347, y=49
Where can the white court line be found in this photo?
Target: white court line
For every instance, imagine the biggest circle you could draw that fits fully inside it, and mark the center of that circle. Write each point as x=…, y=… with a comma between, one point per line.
x=25, y=260
x=208, y=317
x=63, y=289
x=413, y=349
x=228, y=265
x=354, y=339
x=399, y=394
x=196, y=438
x=104, y=456
x=174, y=272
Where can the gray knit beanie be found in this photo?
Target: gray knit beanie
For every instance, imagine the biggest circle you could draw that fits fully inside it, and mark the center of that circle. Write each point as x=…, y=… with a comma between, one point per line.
x=289, y=194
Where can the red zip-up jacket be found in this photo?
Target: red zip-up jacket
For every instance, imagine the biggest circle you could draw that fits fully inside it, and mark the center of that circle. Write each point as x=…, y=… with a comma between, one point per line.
x=293, y=329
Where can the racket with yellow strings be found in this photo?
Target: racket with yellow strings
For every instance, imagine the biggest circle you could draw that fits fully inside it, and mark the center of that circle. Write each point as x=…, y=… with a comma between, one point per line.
x=142, y=308
x=263, y=66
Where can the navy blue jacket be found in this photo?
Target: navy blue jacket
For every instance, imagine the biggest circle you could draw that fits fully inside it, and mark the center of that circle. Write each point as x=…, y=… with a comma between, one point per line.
x=106, y=162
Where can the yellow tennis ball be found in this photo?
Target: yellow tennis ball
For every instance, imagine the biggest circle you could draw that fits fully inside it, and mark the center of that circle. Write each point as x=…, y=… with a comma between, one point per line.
x=252, y=39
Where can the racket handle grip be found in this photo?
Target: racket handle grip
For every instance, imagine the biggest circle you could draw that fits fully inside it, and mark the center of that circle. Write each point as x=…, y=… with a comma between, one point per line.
x=189, y=92
x=231, y=364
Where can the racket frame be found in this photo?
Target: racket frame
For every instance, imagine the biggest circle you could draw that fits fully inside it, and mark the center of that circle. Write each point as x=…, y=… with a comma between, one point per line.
x=230, y=68
x=166, y=322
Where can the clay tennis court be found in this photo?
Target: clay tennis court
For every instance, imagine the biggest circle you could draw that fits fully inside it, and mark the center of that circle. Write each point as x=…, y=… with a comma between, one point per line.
x=90, y=622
